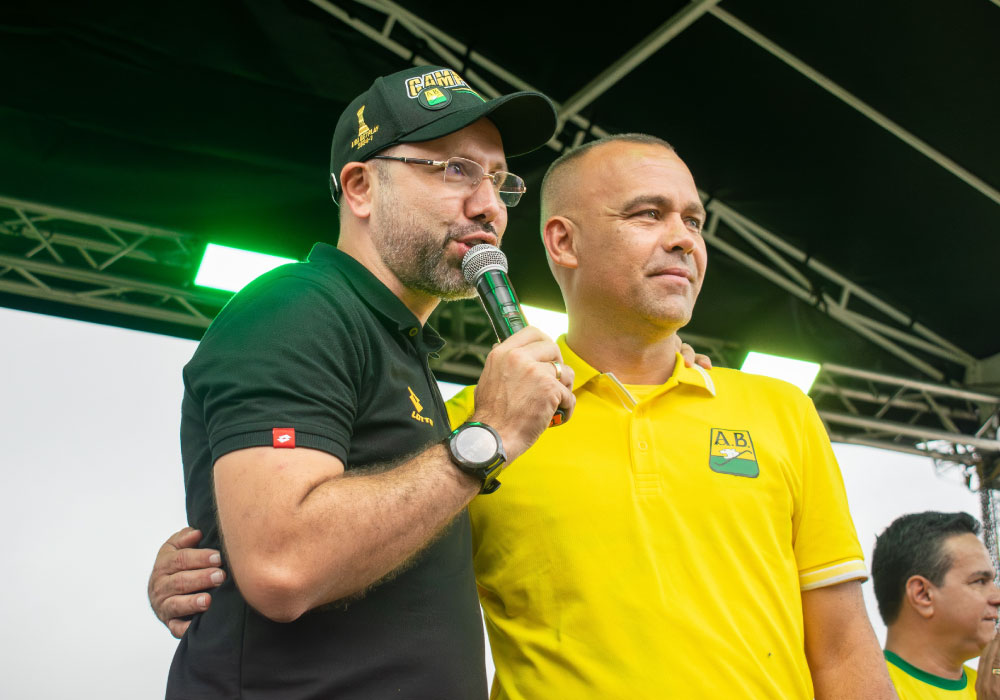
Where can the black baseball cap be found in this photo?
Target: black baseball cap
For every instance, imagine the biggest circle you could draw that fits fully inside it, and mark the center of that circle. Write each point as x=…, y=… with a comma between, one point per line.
x=427, y=102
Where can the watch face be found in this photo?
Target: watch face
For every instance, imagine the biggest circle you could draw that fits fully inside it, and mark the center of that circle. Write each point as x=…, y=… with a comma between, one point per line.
x=475, y=444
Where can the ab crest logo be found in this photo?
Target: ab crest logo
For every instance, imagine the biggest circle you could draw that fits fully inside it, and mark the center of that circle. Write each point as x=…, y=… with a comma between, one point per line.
x=417, y=408
x=731, y=452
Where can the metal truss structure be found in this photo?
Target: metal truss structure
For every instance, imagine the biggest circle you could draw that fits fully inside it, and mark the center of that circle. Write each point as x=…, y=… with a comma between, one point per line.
x=956, y=427
x=793, y=270
x=949, y=423
x=99, y=263
x=94, y=262
x=757, y=248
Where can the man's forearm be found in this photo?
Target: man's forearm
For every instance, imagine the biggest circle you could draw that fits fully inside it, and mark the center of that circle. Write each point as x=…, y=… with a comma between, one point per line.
x=844, y=658
x=856, y=674
x=299, y=532
x=299, y=541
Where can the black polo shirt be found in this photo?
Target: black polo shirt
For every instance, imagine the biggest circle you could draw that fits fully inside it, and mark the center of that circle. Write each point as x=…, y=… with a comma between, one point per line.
x=324, y=348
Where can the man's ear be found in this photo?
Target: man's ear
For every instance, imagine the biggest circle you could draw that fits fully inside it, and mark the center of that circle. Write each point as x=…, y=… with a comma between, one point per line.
x=356, y=186
x=559, y=237
x=919, y=595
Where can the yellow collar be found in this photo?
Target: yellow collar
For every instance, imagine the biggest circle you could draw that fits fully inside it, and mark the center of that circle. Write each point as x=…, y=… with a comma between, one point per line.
x=583, y=372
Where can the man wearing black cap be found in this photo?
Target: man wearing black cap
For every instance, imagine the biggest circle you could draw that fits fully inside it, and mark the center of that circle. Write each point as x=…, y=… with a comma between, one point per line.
x=315, y=443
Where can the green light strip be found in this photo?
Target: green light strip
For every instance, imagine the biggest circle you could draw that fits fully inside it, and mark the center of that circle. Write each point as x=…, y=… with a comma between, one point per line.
x=231, y=269
x=798, y=372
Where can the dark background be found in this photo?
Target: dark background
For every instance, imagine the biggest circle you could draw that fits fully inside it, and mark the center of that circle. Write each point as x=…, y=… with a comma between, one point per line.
x=214, y=119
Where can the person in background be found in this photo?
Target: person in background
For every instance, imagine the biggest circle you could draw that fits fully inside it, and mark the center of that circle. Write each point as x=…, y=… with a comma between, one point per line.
x=937, y=594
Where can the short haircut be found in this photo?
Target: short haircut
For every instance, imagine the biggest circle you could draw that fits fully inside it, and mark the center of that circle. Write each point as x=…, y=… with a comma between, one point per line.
x=573, y=154
x=913, y=545
x=381, y=168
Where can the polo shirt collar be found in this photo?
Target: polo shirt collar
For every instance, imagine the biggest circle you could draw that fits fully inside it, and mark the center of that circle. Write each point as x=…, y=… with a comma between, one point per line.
x=377, y=297
x=582, y=372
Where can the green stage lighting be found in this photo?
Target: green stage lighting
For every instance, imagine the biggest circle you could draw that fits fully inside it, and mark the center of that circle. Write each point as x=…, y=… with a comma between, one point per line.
x=798, y=372
x=231, y=269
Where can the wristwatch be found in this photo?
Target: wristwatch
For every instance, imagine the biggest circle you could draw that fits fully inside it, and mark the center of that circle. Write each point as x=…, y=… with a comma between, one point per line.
x=477, y=450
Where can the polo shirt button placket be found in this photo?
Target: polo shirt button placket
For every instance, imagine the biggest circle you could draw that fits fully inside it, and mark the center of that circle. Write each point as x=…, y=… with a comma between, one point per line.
x=647, y=478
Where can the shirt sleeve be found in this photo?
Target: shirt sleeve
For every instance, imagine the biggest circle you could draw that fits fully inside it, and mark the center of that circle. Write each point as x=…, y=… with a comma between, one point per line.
x=826, y=545
x=281, y=355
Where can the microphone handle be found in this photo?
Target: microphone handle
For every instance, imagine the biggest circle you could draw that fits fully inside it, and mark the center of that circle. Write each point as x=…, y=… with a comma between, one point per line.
x=504, y=312
x=500, y=303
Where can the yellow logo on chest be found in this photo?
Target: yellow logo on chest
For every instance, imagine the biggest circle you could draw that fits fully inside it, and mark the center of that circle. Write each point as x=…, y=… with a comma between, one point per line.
x=415, y=415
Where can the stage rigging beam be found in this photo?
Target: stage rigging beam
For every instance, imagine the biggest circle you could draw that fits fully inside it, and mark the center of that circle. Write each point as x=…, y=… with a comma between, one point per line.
x=945, y=423
x=856, y=103
x=639, y=53
x=100, y=263
x=96, y=262
x=779, y=262
x=776, y=260
x=889, y=332
x=785, y=265
x=905, y=430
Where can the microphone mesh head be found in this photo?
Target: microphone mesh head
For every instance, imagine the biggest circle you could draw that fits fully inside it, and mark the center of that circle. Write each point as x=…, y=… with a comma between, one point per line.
x=481, y=258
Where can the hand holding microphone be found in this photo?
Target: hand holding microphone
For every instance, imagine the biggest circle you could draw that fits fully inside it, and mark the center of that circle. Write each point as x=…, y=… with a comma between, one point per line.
x=485, y=267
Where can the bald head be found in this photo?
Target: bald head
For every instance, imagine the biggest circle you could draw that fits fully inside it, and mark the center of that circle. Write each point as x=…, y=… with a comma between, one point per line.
x=622, y=223
x=560, y=191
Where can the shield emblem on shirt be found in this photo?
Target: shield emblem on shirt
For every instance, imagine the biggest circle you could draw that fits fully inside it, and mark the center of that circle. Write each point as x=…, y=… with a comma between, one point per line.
x=732, y=452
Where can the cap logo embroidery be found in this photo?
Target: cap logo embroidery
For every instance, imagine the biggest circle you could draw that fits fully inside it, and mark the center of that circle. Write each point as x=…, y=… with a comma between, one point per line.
x=365, y=134
x=415, y=415
x=471, y=92
x=434, y=98
x=731, y=452
x=441, y=78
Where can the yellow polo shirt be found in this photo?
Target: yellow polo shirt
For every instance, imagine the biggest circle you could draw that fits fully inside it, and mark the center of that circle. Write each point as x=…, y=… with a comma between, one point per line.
x=655, y=546
x=913, y=684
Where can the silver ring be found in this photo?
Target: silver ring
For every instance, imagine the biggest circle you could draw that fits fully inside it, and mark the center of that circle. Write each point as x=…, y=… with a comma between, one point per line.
x=558, y=370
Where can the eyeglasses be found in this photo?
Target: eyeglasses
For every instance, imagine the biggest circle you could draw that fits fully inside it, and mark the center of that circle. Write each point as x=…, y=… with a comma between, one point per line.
x=468, y=173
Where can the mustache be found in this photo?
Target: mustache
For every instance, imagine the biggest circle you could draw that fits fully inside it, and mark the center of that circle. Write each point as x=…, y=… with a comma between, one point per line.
x=456, y=233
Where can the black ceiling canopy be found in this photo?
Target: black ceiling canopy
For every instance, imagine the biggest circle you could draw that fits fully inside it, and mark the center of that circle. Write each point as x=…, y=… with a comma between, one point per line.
x=848, y=152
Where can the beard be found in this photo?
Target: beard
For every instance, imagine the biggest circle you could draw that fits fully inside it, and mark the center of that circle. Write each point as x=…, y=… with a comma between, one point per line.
x=417, y=256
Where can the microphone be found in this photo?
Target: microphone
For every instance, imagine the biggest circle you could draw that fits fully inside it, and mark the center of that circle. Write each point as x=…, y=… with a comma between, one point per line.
x=485, y=267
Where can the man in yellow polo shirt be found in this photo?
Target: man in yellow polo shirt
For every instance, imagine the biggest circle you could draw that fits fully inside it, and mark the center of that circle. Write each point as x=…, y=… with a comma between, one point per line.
x=686, y=535
x=937, y=593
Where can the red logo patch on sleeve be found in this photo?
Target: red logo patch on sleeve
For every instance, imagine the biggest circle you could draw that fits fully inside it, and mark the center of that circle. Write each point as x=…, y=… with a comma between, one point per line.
x=283, y=437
